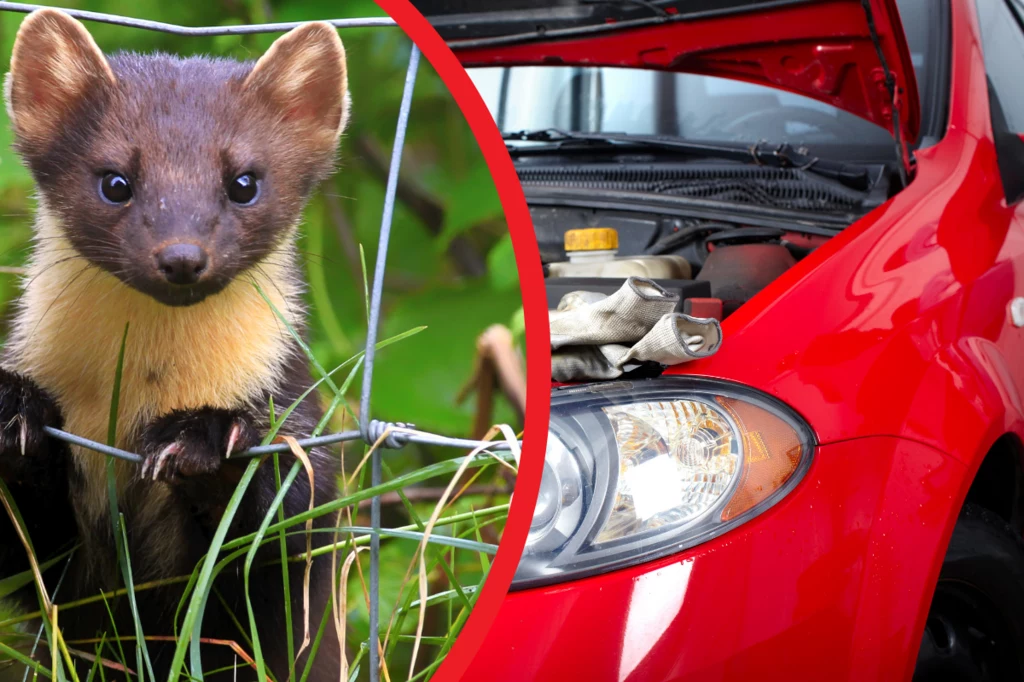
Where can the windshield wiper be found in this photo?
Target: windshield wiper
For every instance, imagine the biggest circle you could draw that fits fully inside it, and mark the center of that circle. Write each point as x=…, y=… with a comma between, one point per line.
x=646, y=4
x=774, y=155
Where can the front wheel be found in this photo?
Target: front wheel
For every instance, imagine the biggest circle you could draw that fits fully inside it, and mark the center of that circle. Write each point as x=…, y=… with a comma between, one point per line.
x=975, y=627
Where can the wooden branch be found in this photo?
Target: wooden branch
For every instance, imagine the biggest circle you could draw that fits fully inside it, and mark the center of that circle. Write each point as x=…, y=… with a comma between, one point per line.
x=498, y=366
x=497, y=344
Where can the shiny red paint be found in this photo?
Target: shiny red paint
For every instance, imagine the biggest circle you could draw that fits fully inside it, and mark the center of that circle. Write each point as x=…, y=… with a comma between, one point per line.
x=819, y=588
x=895, y=342
x=821, y=49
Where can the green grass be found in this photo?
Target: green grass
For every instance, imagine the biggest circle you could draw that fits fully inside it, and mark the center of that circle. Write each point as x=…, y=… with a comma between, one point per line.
x=432, y=313
x=454, y=565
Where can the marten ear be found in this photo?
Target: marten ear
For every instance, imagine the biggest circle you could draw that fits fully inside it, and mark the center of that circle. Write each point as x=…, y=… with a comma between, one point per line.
x=55, y=64
x=303, y=77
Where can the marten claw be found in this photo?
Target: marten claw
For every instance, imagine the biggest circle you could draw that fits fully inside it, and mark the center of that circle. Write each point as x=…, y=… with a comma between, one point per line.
x=189, y=443
x=233, y=436
x=152, y=467
x=22, y=433
x=24, y=410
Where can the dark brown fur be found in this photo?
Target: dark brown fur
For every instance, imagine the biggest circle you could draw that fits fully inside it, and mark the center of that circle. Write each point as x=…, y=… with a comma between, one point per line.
x=180, y=130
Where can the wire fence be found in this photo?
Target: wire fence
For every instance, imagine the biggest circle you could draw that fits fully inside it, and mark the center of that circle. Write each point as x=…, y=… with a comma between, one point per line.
x=391, y=434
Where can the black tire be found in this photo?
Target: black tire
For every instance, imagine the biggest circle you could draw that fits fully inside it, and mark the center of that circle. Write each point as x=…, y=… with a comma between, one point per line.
x=975, y=628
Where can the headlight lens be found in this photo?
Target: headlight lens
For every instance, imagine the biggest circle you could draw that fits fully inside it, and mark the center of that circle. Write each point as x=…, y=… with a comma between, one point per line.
x=638, y=470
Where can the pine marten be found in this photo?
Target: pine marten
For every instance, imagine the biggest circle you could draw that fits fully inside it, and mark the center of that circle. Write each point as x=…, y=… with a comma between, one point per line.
x=167, y=187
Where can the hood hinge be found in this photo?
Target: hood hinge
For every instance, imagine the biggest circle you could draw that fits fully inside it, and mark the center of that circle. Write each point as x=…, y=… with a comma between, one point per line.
x=902, y=151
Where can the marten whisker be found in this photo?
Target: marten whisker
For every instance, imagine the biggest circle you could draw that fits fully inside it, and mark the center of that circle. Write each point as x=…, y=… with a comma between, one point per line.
x=116, y=283
x=60, y=261
x=323, y=258
x=71, y=307
x=59, y=295
x=139, y=223
x=287, y=300
x=286, y=265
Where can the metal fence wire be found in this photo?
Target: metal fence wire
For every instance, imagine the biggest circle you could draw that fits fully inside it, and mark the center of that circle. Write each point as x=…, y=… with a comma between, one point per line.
x=392, y=434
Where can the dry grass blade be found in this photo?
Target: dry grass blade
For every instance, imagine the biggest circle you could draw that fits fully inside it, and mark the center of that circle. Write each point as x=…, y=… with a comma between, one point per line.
x=230, y=643
x=54, y=660
x=334, y=593
x=513, y=445
x=506, y=430
x=340, y=605
x=348, y=485
x=339, y=611
x=49, y=609
x=37, y=574
x=301, y=455
x=438, y=508
x=61, y=646
x=381, y=647
x=376, y=444
x=105, y=662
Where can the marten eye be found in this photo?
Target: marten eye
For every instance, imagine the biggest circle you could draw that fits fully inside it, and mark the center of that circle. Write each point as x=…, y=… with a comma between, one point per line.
x=244, y=189
x=114, y=188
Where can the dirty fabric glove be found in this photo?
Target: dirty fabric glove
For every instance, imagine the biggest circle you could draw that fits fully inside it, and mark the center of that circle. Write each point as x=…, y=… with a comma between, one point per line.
x=589, y=332
x=593, y=319
x=676, y=338
x=576, y=363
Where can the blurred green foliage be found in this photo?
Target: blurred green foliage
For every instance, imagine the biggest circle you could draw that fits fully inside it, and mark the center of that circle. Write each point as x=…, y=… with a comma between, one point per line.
x=455, y=211
x=450, y=263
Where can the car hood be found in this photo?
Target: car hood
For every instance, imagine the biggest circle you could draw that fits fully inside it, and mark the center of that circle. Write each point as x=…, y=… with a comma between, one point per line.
x=851, y=54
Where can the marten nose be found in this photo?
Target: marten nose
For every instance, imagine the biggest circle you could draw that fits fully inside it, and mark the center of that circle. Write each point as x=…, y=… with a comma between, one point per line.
x=181, y=263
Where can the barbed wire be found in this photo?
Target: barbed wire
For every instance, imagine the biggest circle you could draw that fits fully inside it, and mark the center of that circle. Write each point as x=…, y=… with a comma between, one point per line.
x=371, y=342
x=392, y=434
x=398, y=435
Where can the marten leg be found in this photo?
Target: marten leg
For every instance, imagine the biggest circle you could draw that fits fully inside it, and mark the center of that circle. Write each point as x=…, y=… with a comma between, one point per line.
x=184, y=446
x=187, y=450
x=34, y=467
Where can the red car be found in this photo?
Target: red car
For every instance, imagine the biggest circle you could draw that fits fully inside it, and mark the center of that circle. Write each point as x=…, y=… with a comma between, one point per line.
x=836, y=494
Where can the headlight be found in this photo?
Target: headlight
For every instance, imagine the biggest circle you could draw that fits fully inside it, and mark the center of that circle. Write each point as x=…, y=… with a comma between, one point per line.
x=639, y=470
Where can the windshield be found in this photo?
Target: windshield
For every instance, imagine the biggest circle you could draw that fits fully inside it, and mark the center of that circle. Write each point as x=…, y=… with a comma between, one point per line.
x=694, y=107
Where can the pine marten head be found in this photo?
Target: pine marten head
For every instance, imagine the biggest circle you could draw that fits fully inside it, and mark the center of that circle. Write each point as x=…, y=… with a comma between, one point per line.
x=175, y=175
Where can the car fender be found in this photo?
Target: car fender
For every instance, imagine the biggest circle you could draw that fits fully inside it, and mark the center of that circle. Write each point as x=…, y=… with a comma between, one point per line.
x=833, y=582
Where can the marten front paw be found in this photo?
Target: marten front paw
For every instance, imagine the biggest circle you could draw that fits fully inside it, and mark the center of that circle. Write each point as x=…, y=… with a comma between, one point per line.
x=24, y=410
x=189, y=443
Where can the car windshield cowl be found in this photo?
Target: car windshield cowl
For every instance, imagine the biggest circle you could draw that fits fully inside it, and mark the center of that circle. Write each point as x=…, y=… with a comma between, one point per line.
x=761, y=153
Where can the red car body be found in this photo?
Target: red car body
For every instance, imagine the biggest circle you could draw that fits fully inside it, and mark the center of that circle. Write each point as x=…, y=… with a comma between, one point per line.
x=895, y=342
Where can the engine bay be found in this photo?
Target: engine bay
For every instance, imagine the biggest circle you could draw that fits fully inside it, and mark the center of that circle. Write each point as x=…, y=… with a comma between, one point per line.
x=733, y=227
x=727, y=259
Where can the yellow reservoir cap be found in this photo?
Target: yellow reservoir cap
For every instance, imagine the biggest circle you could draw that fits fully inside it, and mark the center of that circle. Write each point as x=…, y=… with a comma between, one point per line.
x=591, y=239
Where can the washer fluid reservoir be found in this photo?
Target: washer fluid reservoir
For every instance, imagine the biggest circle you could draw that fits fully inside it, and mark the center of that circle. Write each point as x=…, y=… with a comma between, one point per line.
x=593, y=252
